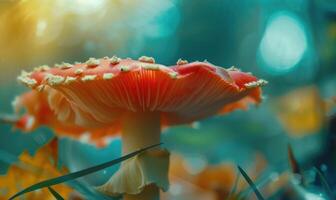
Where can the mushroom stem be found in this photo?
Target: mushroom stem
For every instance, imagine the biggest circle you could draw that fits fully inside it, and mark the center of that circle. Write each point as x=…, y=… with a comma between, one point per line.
x=140, y=129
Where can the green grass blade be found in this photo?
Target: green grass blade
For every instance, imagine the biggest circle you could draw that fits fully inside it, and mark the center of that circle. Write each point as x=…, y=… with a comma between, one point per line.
x=55, y=194
x=78, y=174
x=292, y=161
x=324, y=183
x=250, y=182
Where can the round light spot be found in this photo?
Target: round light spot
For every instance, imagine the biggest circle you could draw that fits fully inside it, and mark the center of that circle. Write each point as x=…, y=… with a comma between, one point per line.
x=283, y=44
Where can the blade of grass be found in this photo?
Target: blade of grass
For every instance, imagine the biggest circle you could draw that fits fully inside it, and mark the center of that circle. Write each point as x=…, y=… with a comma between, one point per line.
x=55, y=194
x=260, y=182
x=78, y=174
x=250, y=182
x=324, y=183
x=292, y=161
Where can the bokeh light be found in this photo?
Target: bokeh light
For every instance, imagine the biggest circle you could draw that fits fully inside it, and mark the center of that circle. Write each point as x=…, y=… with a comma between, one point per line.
x=284, y=43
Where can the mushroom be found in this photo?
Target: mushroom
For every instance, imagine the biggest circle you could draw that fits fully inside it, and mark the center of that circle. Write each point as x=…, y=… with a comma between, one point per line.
x=140, y=97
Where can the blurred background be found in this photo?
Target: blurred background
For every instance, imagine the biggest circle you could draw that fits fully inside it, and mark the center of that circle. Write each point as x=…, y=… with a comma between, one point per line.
x=290, y=43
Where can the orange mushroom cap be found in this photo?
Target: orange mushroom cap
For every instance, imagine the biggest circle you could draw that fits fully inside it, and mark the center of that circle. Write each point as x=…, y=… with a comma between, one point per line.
x=95, y=94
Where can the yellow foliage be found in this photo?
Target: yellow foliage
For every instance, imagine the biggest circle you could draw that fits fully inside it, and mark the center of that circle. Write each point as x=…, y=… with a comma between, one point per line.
x=301, y=111
x=30, y=170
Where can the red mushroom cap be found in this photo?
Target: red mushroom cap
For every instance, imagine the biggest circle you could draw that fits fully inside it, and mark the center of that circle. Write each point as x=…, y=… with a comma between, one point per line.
x=97, y=93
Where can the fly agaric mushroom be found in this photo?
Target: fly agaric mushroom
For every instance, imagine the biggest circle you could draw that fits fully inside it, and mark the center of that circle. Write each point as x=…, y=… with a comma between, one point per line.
x=141, y=97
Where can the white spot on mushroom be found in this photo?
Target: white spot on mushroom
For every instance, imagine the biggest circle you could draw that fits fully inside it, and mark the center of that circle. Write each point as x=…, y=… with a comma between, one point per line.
x=25, y=79
x=173, y=75
x=41, y=68
x=181, y=62
x=147, y=59
x=88, y=78
x=79, y=71
x=151, y=66
x=92, y=62
x=66, y=66
x=255, y=84
x=124, y=68
x=69, y=80
x=25, y=73
x=114, y=60
x=54, y=79
x=233, y=68
x=108, y=76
